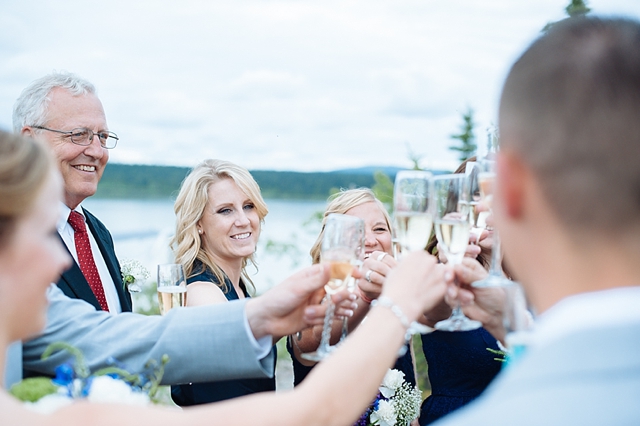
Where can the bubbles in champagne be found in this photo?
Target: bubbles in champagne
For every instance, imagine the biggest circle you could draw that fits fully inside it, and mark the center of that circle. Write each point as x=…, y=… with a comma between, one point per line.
x=453, y=236
x=170, y=297
x=413, y=230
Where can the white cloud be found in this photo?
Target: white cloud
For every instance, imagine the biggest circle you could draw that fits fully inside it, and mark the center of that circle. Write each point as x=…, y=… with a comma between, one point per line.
x=294, y=84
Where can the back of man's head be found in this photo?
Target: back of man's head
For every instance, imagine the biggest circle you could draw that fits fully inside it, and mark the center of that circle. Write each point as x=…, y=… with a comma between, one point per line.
x=30, y=108
x=570, y=109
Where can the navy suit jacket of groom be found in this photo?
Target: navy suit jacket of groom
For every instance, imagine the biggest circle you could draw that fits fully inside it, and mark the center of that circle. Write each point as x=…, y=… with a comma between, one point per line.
x=74, y=284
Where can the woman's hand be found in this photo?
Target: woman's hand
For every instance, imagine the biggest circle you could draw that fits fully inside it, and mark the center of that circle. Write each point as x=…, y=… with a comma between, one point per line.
x=374, y=272
x=417, y=284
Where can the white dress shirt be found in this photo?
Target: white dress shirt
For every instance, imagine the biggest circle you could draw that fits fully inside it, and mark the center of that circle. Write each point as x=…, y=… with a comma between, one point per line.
x=66, y=232
x=587, y=311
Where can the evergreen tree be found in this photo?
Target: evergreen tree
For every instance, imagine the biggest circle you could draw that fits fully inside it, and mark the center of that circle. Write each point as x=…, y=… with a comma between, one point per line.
x=575, y=8
x=466, y=137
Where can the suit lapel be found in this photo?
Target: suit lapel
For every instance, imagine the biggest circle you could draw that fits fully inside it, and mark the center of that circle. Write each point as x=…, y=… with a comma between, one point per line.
x=105, y=243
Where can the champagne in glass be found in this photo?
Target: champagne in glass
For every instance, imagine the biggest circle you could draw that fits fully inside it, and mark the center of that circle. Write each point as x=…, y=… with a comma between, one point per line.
x=172, y=287
x=477, y=214
x=413, y=230
x=486, y=180
x=339, y=275
x=342, y=248
x=453, y=235
x=451, y=219
x=413, y=218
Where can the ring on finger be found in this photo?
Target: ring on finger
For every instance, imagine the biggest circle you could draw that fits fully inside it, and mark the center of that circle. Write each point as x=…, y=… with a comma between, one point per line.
x=381, y=256
x=367, y=276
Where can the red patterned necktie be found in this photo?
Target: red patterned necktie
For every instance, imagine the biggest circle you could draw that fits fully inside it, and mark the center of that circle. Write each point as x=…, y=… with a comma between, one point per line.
x=85, y=257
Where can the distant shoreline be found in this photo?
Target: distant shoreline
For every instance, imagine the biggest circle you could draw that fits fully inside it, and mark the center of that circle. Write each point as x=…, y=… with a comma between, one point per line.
x=155, y=182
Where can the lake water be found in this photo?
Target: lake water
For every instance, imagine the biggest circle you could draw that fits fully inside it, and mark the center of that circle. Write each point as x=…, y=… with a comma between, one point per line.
x=141, y=230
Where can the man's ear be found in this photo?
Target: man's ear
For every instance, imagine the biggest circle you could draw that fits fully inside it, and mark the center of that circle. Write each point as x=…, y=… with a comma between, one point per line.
x=512, y=176
x=27, y=131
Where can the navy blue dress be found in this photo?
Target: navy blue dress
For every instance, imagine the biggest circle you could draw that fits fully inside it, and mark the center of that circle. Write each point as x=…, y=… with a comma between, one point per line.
x=202, y=393
x=460, y=368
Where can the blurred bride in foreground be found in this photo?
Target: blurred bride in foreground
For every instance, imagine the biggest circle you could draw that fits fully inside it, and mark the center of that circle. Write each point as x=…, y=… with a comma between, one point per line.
x=32, y=257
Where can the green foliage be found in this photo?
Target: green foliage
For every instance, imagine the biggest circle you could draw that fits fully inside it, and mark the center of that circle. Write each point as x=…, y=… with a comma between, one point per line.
x=137, y=181
x=466, y=137
x=307, y=186
x=145, y=302
x=501, y=356
x=575, y=8
x=422, y=368
x=383, y=189
x=80, y=366
x=33, y=388
x=414, y=158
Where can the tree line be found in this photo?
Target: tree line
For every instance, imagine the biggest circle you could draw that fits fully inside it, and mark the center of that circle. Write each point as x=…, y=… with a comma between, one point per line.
x=143, y=181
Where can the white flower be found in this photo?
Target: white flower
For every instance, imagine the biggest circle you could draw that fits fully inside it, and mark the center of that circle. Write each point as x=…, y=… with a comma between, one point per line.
x=385, y=415
x=392, y=381
x=49, y=403
x=108, y=389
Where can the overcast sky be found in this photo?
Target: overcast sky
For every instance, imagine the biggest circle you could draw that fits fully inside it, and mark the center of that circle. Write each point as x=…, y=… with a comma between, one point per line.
x=280, y=85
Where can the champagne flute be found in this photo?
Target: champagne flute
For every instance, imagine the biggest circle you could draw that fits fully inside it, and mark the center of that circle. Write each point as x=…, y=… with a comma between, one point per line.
x=351, y=284
x=341, y=249
x=412, y=216
x=451, y=221
x=172, y=287
x=518, y=320
x=496, y=277
x=477, y=215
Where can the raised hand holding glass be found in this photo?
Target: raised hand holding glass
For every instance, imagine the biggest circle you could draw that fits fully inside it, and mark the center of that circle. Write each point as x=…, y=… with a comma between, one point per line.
x=451, y=221
x=342, y=245
x=413, y=218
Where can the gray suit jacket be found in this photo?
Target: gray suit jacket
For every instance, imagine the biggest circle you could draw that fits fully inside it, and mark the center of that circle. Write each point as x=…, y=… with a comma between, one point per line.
x=205, y=343
x=591, y=377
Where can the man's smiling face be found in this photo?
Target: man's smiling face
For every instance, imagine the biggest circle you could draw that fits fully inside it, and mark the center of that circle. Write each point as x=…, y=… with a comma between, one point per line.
x=81, y=166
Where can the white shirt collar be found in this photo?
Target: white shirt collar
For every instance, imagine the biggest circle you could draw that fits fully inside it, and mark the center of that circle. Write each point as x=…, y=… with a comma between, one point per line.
x=586, y=311
x=65, y=211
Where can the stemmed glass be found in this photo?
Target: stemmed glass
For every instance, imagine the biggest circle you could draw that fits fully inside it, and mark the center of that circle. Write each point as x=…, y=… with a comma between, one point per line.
x=486, y=180
x=412, y=215
x=518, y=320
x=451, y=221
x=341, y=249
x=351, y=283
x=172, y=287
x=477, y=215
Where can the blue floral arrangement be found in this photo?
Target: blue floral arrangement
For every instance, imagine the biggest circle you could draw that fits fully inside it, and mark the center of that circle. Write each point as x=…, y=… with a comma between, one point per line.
x=397, y=403
x=75, y=381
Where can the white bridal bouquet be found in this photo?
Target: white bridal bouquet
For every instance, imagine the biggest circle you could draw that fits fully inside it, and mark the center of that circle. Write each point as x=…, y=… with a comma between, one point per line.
x=397, y=403
x=74, y=381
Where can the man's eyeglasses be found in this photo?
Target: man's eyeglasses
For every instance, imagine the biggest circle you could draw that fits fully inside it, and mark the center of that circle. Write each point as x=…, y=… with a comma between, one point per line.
x=84, y=137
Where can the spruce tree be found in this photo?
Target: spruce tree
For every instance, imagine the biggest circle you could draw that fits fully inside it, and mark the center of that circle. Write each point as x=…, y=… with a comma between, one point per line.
x=466, y=137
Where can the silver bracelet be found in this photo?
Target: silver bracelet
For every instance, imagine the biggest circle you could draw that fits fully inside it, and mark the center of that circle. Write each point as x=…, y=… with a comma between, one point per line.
x=411, y=327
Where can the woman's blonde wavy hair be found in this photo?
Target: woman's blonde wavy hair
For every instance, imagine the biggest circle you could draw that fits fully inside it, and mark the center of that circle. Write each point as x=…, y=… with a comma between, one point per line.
x=25, y=166
x=341, y=202
x=189, y=209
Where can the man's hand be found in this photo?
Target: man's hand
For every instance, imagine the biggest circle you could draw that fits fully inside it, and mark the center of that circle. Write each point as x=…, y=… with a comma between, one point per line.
x=482, y=304
x=292, y=305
